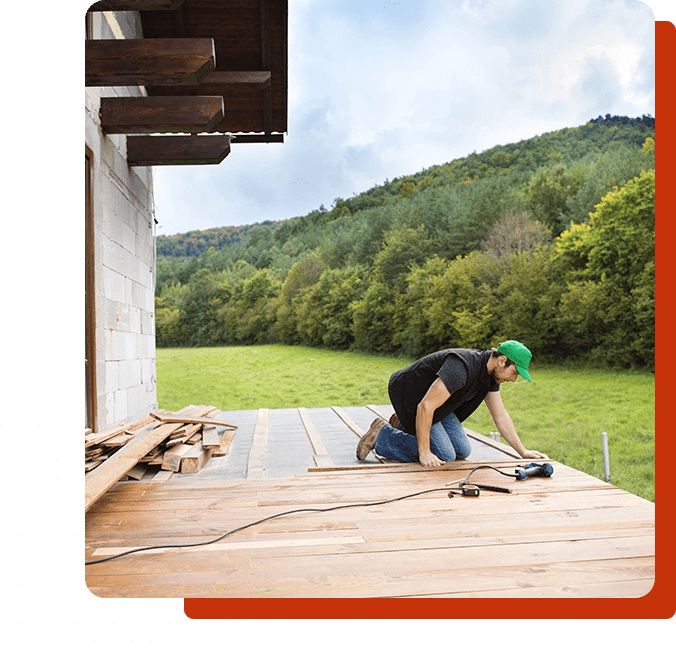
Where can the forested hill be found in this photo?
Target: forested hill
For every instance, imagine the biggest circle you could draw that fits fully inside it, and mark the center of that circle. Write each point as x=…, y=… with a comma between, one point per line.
x=550, y=240
x=576, y=148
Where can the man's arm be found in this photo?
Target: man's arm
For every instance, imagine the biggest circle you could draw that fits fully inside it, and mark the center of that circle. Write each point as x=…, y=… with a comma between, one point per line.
x=435, y=396
x=505, y=425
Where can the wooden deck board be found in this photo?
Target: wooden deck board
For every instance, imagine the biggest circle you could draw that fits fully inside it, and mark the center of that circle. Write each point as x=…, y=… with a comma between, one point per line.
x=570, y=536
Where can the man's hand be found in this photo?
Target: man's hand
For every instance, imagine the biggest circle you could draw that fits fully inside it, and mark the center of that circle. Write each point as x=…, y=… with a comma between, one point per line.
x=429, y=459
x=533, y=454
x=436, y=395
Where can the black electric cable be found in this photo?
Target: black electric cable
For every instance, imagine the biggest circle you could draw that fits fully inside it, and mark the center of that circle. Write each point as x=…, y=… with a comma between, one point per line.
x=286, y=513
x=262, y=520
x=480, y=467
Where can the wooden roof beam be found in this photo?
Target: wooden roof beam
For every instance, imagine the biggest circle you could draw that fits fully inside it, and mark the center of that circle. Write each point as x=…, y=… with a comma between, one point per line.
x=218, y=83
x=254, y=79
x=265, y=62
x=136, y=5
x=150, y=150
x=257, y=138
x=161, y=114
x=117, y=62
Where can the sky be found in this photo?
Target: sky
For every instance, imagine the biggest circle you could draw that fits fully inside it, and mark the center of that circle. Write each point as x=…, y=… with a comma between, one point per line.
x=379, y=90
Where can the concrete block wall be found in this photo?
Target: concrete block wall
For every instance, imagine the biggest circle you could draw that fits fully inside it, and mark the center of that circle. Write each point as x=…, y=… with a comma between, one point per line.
x=124, y=248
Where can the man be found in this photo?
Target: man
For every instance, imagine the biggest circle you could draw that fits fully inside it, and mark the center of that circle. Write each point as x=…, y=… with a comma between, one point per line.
x=433, y=396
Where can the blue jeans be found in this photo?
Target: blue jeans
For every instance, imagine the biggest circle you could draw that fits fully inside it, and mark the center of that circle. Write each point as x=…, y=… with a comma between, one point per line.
x=448, y=441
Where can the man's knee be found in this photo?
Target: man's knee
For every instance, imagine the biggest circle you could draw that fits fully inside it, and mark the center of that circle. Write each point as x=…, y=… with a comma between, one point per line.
x=463, y=451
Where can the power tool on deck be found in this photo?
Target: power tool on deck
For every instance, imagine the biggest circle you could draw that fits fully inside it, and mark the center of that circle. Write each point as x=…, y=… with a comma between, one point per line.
x=521, y=473
x=534, y=470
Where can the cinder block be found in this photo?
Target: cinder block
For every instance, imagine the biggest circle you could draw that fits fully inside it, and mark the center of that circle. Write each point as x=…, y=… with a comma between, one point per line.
x=114, y=255
x=121, y=407
x=147, y=322
x=129, y=291
x=109, y=404
x=146, y=346
x=110, y=316
x=125, y=375
x=135, y=320
x=126, y=235
x=124, y=346
x=111, y=376
x=135, y=371
x=114, y=285
x=147, y=370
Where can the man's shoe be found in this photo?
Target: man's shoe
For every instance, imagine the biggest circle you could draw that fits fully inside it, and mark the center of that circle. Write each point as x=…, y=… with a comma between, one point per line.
x=368, y=440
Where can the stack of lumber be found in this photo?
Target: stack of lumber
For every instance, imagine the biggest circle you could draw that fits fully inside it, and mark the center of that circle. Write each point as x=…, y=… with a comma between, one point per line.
x=159, y=445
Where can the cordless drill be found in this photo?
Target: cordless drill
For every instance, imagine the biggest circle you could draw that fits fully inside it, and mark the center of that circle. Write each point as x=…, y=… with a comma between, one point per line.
x=534, y=470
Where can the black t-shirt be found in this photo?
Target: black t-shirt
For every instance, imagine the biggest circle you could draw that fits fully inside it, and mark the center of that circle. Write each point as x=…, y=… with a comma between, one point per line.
x=463, y=371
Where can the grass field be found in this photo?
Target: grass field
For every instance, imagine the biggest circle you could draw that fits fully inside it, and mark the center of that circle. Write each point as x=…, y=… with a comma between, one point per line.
x=563, y=412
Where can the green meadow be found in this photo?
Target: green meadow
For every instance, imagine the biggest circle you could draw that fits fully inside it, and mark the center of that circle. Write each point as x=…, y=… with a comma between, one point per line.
x=563, y=412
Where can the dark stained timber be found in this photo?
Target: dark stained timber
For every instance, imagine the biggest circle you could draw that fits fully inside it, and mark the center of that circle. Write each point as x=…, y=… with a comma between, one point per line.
x=218, y=83
x=149, y=150
x=257, y=138
x=117, y=62
x=136, y=5
x=161, y=114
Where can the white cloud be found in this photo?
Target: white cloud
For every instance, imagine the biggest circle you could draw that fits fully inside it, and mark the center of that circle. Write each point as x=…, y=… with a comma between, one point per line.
x=381, y=89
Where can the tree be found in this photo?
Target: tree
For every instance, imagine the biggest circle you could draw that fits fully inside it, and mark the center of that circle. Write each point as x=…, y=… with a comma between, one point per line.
x=402, y=250
x=460, y=304
x=373, y=316
x=610, y=303
x=410, y=322
x=252, y=311
x=324, y=311
x=547, y=192
x=199, y=310
x=514, y=233
x=527, y=301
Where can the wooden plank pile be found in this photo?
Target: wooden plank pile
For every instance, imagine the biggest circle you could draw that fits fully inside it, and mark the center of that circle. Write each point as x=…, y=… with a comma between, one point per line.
x=157, y=446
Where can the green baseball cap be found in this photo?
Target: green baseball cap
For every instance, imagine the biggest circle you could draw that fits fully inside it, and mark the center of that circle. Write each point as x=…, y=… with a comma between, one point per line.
x=518, y=354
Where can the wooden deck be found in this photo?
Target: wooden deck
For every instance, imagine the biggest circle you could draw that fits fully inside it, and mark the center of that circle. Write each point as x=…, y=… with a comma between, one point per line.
x=570, y=535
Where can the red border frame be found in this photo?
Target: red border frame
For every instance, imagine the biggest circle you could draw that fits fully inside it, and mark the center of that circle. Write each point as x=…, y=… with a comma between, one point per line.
x=659, y=602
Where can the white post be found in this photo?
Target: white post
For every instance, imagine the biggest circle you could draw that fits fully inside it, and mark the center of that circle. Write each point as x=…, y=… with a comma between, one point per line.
x=606, y=461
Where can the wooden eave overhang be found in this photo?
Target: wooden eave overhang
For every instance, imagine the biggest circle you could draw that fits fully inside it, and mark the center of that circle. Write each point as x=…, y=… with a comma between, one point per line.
x=194, y=52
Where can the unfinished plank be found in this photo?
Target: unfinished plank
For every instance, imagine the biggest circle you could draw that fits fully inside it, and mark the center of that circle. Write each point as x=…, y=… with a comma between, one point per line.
x=158, y=456
x=321, y=456
x=194, y=437
x=242, y=545
x=107, y=474
x=226, y=441
x=322, y=461
x=162, y=476
x=400, y=467
x=507, y=449
x=210, y=437
x=171, y=460
x=377, y=411
x=195, y=458
x=90, y=465
x=93, y=439
x=181, y=432
x=137, y=472
x=348, y=421
x=255, y=467
x=117, y=440
x=169, y=418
